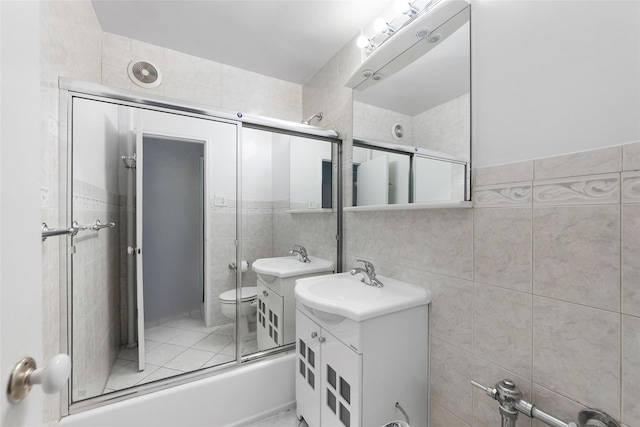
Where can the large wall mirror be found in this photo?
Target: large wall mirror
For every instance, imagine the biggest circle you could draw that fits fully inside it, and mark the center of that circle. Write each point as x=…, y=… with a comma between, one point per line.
x=172, y=210
x=411, y=127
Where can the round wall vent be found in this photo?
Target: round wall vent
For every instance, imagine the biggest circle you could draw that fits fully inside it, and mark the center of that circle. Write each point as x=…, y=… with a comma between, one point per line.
x=144, y=74
x=397, y=131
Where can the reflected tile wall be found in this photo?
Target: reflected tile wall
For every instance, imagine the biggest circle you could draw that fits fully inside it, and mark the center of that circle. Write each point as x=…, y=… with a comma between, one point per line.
x=445, y=128
x=96, y=291
x=544, y=281
x=376, y=123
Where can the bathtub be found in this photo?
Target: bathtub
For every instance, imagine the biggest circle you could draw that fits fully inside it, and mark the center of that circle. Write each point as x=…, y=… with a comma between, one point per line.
x=235, y=398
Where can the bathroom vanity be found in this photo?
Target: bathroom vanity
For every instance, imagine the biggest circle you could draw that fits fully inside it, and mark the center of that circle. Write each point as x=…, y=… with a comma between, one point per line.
x=276, y=302
x=360, y=349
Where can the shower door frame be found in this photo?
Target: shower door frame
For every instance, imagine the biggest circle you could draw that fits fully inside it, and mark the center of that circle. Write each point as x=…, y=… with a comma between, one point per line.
x=72, y=88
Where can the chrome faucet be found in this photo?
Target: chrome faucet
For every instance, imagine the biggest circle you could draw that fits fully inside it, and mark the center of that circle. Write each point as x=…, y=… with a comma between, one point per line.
x=302, y=251
x=369, y=272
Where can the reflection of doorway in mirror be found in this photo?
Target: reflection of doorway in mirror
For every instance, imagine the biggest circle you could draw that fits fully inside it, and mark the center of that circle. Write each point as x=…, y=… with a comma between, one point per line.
x=169, y=209
x=327, y=184
x=172, y=334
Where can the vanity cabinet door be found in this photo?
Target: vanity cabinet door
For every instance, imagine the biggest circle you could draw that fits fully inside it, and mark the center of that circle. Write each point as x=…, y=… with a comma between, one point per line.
x=341, y=383
x=269, y=323
x=328, y=377
x=308, y=365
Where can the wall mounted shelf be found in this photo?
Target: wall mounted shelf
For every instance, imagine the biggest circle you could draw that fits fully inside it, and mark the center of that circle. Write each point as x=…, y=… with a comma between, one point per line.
x=411, y=206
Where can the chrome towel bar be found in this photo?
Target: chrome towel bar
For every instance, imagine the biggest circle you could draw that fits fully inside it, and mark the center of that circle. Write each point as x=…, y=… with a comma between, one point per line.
x=98, y=225
x=74, y=229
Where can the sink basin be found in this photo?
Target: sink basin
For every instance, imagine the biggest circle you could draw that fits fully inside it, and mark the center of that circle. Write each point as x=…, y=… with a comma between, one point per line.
x=288, y=266
x=345, y=295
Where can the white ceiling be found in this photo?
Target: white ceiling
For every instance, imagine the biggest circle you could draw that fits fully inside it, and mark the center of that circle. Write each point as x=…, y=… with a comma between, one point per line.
x=289, y=40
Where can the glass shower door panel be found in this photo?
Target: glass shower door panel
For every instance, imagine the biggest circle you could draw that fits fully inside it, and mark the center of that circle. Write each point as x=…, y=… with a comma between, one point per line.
x=113, y=335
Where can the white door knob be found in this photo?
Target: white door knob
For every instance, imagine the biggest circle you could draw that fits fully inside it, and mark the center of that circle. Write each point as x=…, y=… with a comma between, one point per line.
x=53, y=376
x=24, y=375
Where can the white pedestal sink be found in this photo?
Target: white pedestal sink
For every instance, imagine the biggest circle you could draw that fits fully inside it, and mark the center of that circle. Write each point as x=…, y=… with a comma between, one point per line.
x=360, y=350
x=276, y=303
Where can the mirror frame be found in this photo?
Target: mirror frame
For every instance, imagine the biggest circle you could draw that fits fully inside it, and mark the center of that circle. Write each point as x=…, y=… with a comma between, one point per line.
x=419, y=152
x=452, y=13
x=70, y=89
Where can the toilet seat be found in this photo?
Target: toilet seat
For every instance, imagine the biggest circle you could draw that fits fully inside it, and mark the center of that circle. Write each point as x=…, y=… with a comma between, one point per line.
x=248, y=293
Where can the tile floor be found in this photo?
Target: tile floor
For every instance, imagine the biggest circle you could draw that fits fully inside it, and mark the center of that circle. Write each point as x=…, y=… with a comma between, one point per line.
x=174, y=348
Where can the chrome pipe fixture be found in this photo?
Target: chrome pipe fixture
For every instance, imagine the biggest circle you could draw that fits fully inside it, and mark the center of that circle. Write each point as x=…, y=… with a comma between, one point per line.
x=511, y=402
x=318, y=115
x=74, y=229
x=51, y=232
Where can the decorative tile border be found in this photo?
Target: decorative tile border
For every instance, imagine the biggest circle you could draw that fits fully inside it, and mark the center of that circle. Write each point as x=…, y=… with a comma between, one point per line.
x=90, y=203
x=513, y=195
x=595, y=189
x=631, y=187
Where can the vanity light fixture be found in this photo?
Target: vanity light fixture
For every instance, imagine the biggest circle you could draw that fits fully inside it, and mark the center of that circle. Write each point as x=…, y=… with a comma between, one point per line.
x=363, y=42
x=402, y=13
x=403, y=6
x=382, y=26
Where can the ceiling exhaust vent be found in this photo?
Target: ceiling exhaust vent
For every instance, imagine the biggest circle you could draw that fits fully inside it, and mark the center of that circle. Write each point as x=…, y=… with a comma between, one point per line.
x=144, y=74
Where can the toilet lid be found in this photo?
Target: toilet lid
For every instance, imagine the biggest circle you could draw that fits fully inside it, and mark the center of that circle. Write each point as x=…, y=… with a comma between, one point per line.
x=248, y=293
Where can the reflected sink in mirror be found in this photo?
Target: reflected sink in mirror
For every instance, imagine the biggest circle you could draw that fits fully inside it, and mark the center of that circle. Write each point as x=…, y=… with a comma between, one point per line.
x=277, y=276
x=336, y=296
x=288, y=266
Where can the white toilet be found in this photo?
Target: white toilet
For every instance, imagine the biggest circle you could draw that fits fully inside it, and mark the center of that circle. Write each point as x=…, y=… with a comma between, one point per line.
x=248, y=309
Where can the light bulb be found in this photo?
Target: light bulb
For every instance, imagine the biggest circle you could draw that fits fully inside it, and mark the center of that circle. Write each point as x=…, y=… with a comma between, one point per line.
x=380, y=25
x=402, y=6
x=362, y=41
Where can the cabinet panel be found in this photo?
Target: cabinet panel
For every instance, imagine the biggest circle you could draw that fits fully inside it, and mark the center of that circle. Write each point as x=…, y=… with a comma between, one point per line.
x=308, y=370
x=341, y=383
x=328, y=377
x=270, y=318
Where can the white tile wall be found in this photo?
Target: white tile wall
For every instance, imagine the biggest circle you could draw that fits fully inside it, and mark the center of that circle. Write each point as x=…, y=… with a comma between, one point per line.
x=549, y=295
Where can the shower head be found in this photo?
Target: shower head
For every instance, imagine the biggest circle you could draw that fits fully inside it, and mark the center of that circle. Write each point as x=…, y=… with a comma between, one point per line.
x=308, y=121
